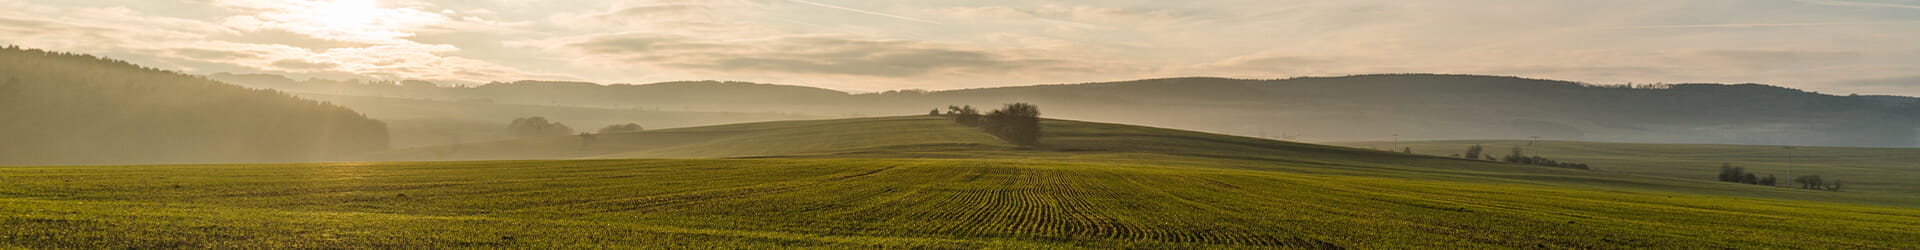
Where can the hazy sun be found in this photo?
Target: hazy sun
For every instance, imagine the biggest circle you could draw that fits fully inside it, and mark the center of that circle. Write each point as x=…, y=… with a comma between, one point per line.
x=351, y=20
x=346, y=14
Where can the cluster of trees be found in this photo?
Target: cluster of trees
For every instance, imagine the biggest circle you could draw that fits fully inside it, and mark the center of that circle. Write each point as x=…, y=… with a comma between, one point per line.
x=1522, y=158
x=1017, y=123
x=65, y=108
x=537, y=127
x=588, y=139
x=1815, y=183
x=1473, y=153
x=1735, y=174
x=1476, y=152
x=622, y=128
x=965, y=115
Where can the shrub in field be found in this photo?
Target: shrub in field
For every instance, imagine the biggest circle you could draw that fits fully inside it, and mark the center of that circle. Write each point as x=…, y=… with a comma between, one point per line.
x=1473, y=153
x=1018, y=123
x=1814, y=182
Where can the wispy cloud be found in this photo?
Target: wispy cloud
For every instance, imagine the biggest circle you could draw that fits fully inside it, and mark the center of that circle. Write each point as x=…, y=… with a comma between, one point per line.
x=1863, y=4
x=861, y=11
x=1750, y=25
x=809, y=55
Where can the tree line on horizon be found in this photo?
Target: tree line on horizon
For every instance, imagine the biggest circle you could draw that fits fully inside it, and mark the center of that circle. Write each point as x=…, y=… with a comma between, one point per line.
x=536, y=126
x=539, y=126
x=1518, y=156
x=1016, y=123
x=1736, y=174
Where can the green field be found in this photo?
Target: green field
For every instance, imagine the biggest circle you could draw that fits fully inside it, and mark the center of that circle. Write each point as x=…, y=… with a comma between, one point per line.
x=1892, y=171
x=923, y=182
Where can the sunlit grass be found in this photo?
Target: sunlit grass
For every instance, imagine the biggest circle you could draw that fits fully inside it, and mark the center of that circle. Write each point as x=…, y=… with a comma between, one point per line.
x=1089, y=186
x=878, y=203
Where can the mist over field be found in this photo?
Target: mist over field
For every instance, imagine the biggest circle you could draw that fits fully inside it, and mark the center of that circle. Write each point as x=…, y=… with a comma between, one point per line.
x=862, y=124
x=1349, y=108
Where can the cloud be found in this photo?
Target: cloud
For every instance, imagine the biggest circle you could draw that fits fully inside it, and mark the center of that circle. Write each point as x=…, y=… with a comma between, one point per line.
x=861, y=11
x=333, y=37
x=26, y=26
x=811, y=55
x=213, y=55
x=96, y=28
x=1863, y=4
x=1077, y=17
x=1908, y=85
x=357, y=37
x=1268, y=62
x=1742, y=25
x=1585, y=71
x=1907, y=82
x=689, y=17
x=1282, y=64
x=1603, y=66
x=653, y=11
x=359, y=21
x=23, y=30
x=298, y=65
x=1771, y=57
x=282, y=37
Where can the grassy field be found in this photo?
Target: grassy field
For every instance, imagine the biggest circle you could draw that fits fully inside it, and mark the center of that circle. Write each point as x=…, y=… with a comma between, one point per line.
x=924, y=182
x=1870, y=170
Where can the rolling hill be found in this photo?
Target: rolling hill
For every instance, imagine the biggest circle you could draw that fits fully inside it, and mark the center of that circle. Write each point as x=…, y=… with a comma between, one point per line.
x=925, y=182
x=64, y=108
x=1066, y=140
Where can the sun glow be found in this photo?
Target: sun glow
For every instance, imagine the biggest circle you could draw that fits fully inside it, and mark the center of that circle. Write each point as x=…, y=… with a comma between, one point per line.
x=346, y=16
x=362, y=21
x=373, y=37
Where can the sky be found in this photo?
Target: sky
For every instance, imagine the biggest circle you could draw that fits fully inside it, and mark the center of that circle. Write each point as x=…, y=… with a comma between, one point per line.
x=1831, y=46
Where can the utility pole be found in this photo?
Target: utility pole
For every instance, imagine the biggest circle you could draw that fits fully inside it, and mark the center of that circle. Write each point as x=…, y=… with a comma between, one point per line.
x=1396, y=142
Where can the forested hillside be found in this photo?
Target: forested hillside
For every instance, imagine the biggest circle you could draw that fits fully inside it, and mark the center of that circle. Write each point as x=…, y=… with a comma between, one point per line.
x=64, y=108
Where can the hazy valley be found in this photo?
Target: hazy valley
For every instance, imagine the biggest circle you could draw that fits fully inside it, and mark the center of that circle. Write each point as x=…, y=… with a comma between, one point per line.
x=862, y=124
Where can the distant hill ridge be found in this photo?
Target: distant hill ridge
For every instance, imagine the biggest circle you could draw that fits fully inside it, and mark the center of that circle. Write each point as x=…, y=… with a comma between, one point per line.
x=1342, y=108
x=1403, y=82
